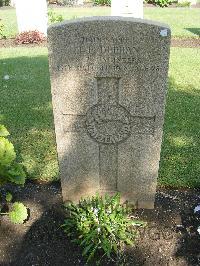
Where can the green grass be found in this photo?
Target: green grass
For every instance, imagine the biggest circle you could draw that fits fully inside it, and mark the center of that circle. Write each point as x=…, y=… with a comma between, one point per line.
x=180, y=164
x=26, y=109
x=27, y=112
x=184, y=22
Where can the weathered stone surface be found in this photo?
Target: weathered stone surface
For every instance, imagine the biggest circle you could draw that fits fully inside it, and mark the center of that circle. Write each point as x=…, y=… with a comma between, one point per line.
x=108, y=77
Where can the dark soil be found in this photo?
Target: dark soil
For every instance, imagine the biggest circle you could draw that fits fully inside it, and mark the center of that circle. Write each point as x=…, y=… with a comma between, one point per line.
x=171, y=237
x=186, y=43
x=11, y=43
x=189, y=42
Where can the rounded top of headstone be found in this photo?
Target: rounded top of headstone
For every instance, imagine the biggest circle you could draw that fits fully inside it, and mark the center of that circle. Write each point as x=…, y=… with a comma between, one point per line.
x=114, y=19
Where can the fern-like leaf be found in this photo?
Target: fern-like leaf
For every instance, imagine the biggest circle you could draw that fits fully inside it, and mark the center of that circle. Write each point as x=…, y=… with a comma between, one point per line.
x=17, y=174
x=7, y=153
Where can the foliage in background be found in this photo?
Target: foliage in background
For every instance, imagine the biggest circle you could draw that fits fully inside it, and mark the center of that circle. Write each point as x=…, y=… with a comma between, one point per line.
x=30, y=37
x=183, y=4
x=4, y=3
x=67, y=2
x=10, y=170
x=53, y=17
x=101, y=226
x=161, y=3
x=2, y=34
x=102, y=2
x=63, y=2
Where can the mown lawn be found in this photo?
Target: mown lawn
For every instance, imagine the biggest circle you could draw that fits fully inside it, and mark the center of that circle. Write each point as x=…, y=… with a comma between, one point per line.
x=180, y=164
x=184, y=22
x=27, y=112
x=26, y=109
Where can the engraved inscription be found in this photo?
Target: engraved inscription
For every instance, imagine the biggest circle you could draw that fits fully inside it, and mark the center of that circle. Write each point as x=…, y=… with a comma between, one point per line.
x=108, y=124
x=100, y=55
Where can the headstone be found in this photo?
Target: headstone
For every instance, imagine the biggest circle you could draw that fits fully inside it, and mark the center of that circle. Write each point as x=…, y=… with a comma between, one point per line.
x=108, y=79
x=31, y=15
x=127, y=8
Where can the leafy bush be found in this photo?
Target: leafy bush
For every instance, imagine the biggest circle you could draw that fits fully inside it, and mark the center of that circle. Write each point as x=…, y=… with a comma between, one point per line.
x=53, y=17
x=101, y=225
x=10, y=172
x=102, y=2
x=161, y=3
x=30, y=37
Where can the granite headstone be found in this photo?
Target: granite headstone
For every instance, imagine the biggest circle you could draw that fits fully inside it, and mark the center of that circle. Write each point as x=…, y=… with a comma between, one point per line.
x=108, y=79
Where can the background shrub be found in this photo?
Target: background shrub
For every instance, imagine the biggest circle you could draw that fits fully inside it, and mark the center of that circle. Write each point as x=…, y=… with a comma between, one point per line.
x=161, y=3
x=53, y=17
x=4, y=3
x=102, y=2
x=63, y=2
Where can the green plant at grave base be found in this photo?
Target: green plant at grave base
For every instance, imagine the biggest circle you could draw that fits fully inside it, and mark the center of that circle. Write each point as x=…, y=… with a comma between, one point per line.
x=10, y=172
x=17, y=212
x=101, y=225
x=161, y=3
x=102, y=2
x=53, y=17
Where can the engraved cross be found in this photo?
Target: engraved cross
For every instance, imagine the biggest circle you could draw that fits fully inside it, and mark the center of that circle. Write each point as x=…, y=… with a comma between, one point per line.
x=109, y=124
